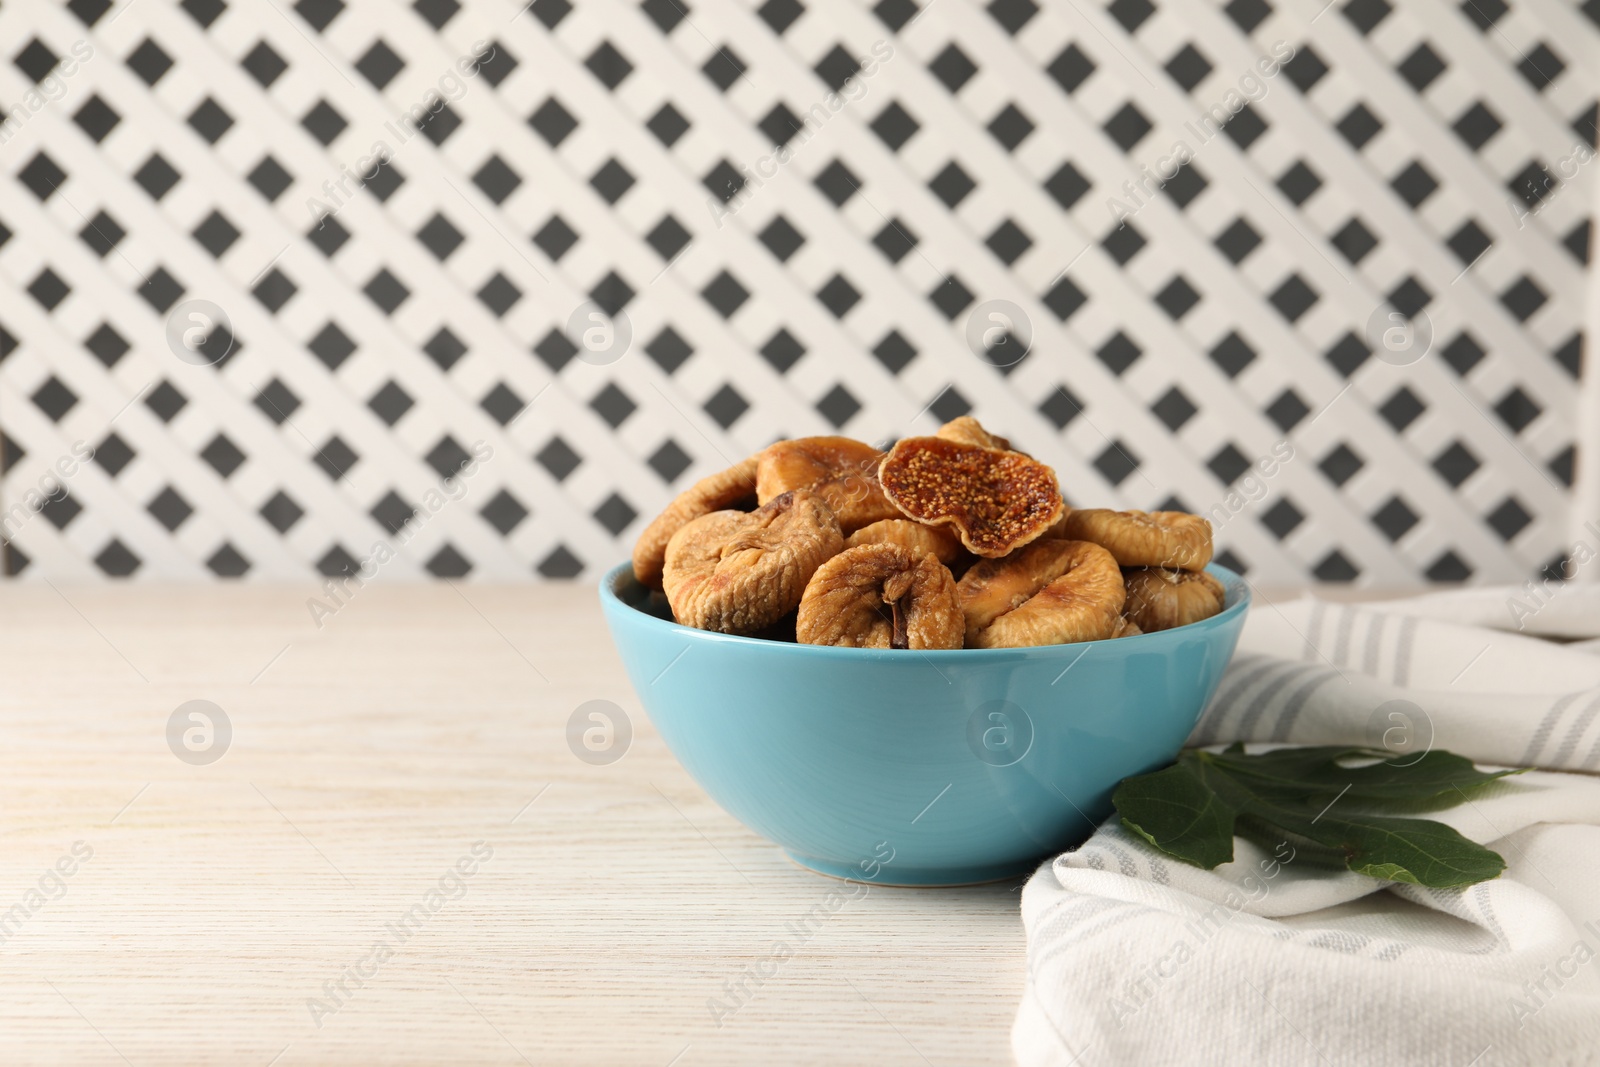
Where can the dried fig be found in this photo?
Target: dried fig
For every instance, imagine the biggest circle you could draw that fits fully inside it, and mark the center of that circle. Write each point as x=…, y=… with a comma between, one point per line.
x=843, y=471
x=995, y=500
x=1049, y=593
x=1145, y=538
x=881, y=596
x=717, y=492
x=914, y=537
x=1159, y=599
x=739, y=572
x=1127, y=628
x=966, y=430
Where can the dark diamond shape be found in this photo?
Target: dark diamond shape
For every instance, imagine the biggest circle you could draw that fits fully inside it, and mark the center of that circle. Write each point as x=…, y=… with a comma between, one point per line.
x=502, y=404
x=54, y=398
x=444, y=348
x=608, y=65
x=96, y=118
x=1577, y=242
x=612, y=293
x=1347, y=354
x=36, y=60
x=1569, y=356
x=1463, y=353
x=782, y=351
x=1237, y=241
x=1232, y=354
x=447, y=457
x=1305, y=69
x=1287, y=410
x=1070, y=68
x=724, y=68
x=951, y=184
x=1177, y=297
x=1354, y=240
x=113, y=454
x=1061, y=407
x=41, y=176
x=276, y=401
x=1359, y=126
x=837, y=183
x=274, y=290
x=499, y=294
x=781, y=238
x=780, y=15
x=552, y=122
x=668, y=124
x=116, y=560
x=1563, y=465
x=8, y=343
x=1012, y=15
x=780, y=124
x=1185, y=185
x=837, y=67
x=549, y=12
x=318, y=13
x=281, y=512
x=1282, y=519
x=148, y=61
x=439, y=12
x=1540, y=66
x=1421, y=67
x=497, y=66
x=223, y=455
x=951, y=297
x=1119, y=352
x=1248, y=14
x=1115, y=462
x=1341, y=464
x=1067, y=185
x=1517, y=409
x=611, y=181
x=437, y=123
x=49, y=289
x=724, y=180
x=1365, y=15
x=1188, y=67
x=555, y=349
x=496, y=179
x=1533, y=183
x=107, y=345
x=1449, y=567
x=1395, y=519
x=1414, y=184
x=226, y=562
x=1336, y=567
x=331, y=345
x=440, y=237
x=1476, y=125
x=613, y=405
x=1131, y=13
x=668, y=349
x=323, y=122
x=1008, y=242
x=895, y=240
x=555, y=238
x=558, y=458
x=1299, y=182
x=1064, y=298
x=380, y=64
x=894, y=352
x=89, y=11
x=1228, y=463
x=894, y=125
x=392, y=512
x=560, y=563
x=1509, y=519
x=725, y=406
x=328, y=236
x=390, y=403
x=263, y=64
x=838, y=296
x=1523, y=298
x=383, y=180
x=1409, y=297
x=838, y=406
x=1484, y=13
x=949, y=404
x=895, y=13
x=216, y=234
x=386, y=291
x=157, y=177
x=669, y=237
x=1402, y=409
x=1174, y=408
x=504, y=512
x=1456, y=464
x=338, y=563
x=269, y=178
x=169, y=509
x=725, y=294
x=952, y=67
x=161, y=290
x=1294, y=297
x=1011, y=127
x=1127, y=127
x=1245, y=127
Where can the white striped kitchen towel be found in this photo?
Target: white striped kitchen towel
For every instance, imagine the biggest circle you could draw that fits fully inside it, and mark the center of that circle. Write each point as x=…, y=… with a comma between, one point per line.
x=1134, y=958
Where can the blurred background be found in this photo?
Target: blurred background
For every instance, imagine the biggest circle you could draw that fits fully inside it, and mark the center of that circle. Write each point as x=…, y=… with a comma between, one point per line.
x=470, y=289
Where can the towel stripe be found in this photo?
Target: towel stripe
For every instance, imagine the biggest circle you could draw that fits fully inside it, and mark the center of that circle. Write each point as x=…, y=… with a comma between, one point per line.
x=1546, y=726
x=1297, y=702
x=1402, y=659
x=1570, y=743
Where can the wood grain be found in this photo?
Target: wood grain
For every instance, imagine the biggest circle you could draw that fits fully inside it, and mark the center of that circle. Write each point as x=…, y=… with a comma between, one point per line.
x=367, y=758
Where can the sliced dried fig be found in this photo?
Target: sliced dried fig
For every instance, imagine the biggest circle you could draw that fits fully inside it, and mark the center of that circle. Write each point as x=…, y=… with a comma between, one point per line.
x=718, y=492
x=1160, y=599
x=995, y=500
x=881, y=596
x=966, y=430
x=914, y=537
x=739, y=572
x=1145, y=538
x=1049, y=593
x=842, y=470
x=1127, y=628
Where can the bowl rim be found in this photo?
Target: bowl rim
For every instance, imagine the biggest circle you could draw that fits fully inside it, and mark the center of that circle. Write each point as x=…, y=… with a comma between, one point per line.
x=1236, y=589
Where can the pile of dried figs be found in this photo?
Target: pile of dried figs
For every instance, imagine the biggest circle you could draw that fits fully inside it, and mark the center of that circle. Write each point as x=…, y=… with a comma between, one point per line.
x=950, y=541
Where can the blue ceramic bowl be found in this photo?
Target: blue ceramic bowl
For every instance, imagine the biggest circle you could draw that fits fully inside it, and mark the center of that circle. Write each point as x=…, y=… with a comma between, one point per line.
x=918, y=768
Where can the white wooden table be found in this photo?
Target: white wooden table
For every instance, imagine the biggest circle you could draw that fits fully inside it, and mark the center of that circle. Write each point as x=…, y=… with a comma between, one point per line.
x=224, y=904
